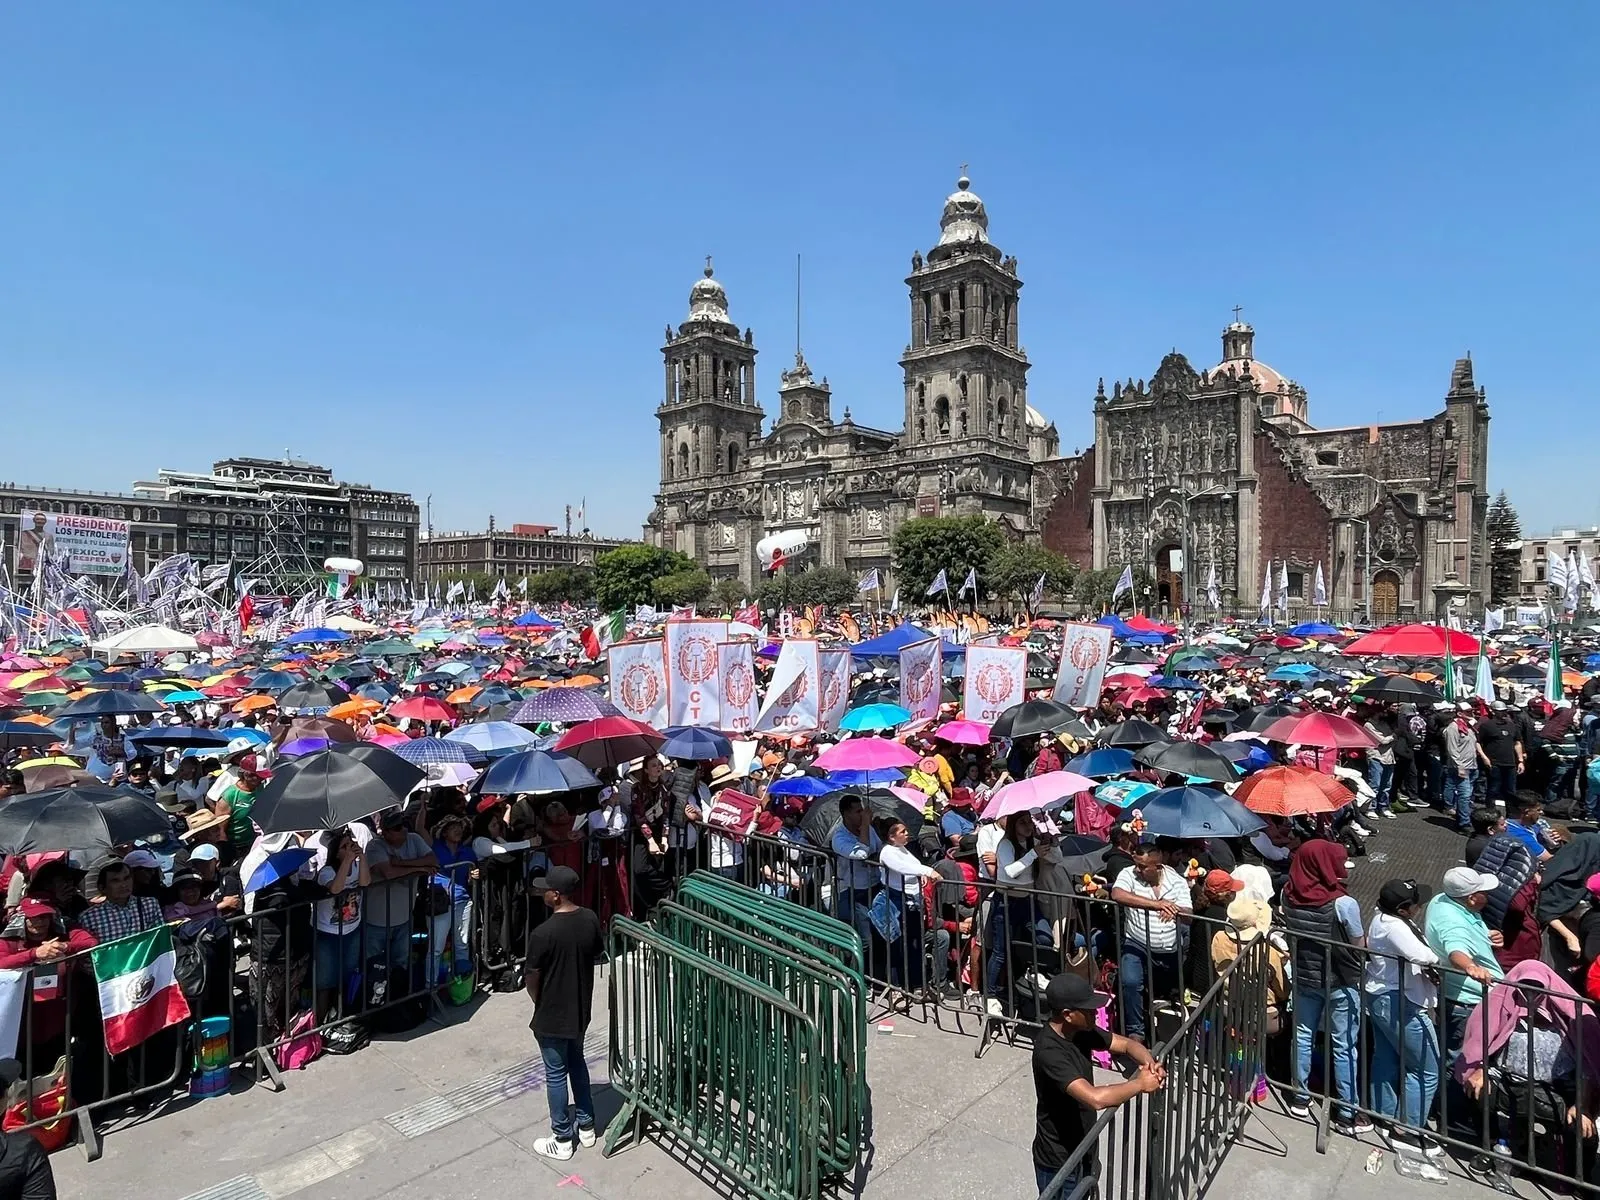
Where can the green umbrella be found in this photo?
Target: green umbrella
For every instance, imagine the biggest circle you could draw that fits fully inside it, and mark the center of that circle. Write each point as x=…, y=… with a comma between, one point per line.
x=43, y=699
x=388, y=648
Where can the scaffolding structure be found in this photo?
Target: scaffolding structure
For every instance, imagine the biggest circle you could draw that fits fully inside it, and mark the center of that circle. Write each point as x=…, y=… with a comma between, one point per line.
x=283, y=564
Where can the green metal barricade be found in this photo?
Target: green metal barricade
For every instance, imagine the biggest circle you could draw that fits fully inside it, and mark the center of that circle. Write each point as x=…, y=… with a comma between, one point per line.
x=837, y=940
x=833, y=999
x=719, y=1061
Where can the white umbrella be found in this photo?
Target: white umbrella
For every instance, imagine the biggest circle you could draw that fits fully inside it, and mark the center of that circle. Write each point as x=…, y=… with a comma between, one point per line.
x=345, y=624
x=147, y=639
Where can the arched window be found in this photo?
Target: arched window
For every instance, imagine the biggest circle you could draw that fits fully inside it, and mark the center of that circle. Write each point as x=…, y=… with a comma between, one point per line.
x=733, y=456
x=961, y=421
x=941, y=415
x=1001, y=413
x=922, y=412
x=683, y=458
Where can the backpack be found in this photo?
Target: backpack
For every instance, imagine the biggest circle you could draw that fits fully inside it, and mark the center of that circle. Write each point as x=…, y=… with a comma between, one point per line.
x=347, y=1037
x=301, y=1045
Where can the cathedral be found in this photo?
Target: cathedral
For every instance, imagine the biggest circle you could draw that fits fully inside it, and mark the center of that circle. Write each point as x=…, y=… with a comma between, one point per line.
x=1191, y=475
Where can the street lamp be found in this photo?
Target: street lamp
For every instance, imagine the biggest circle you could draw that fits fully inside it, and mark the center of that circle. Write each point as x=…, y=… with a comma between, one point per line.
x=1221, y=491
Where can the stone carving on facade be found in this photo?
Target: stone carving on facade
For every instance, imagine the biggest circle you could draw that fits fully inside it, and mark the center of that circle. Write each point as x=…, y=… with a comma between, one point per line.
x=697, y=507
x=906, y=485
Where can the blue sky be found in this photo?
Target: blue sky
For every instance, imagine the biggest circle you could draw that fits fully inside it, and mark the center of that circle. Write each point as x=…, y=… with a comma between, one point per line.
x=434, y=246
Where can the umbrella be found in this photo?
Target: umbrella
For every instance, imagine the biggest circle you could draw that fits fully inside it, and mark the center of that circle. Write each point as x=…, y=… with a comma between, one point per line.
x=319, y=727
x=823, y=815
x=803, y=785
x=280, y=865
x=1416, y=641
x=1190, y=759
x=1132, y=733
x=492, y=737
x=1265, y=717
x=1195, y=663
x=610, y=741
x=867, y=754
x=312, y=694
x=333, y=787
x=1174, y=683
x=1031, y=717
x=352, y=709
x=183, y=696
x=1292, y=792
x=389, y=648
x=851, y=777
x=1399, y=689
x=1191, y=812
x=1041, y=791
x=963, y=733
x=1102, y=764
x=380, y=692
x=15, y=734
x=423, y=708
x=536, y=771
x=86, y=817
x=146, y=639
x=1326, y=731
x=566, y=705
x=873, y=717
x=181, y=736
x=428, y=751
x=102, y=704
x=48, y=774
x=1121, y=793
x=303, y=746
x=307, y=636
x=693, y=744
x=1315, y=629
x=488, y=697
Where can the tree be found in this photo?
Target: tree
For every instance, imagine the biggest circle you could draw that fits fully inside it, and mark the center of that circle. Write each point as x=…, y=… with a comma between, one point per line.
x=833, y=586
x=1092, y=589
x=626, y=577
x=1504, y=528
x=730, y=593
x=924, y=546
x=1014, y=570
x=563, y=585
x=685, y=587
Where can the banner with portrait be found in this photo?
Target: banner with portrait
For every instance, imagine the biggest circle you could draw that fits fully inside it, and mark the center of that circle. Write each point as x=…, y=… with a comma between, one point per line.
x=996, y=679
x=740, y=704
x=1085, y=650
x=694, y=684
x=835, y=688
x=639, y=681
x=920, y=678
x=795, y=693
x=78, y=545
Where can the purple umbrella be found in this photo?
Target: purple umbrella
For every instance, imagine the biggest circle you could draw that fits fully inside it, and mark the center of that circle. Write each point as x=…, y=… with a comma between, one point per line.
x=568, y=705
x=301, y=746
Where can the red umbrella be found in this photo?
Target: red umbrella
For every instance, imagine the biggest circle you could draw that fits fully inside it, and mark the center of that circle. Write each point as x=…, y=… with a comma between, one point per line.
x=610, y=741
x=1292, y=792
x=1414, y=641
x=1118, y=679
x=1325, y=731
x=1147, y=694
x=423, y=708
x=1287, y=642
x=48, y=683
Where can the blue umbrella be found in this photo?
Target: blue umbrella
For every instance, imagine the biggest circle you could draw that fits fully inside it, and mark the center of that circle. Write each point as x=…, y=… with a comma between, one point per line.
x=1195, y=662
x=694, y=744
x=802, y=785
x=537, y=771
x=273, y=681
x=259, y=736
x=308, y=636
x=1193, y=812
x=430, y=750
x=875, y=717
x=492, y=737
x=1314, y=629
x=1173, y=683
x=1123, y=792
x=279, y=866
x=301, y=746
x=868, y=778
x=493, y=639
x=184, y=696
x=1102, y=764
x=381, y=692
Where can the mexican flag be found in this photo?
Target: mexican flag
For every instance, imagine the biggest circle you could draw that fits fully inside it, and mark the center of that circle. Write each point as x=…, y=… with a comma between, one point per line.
x=609, y=628
x=138, y=994
x=1553, y=688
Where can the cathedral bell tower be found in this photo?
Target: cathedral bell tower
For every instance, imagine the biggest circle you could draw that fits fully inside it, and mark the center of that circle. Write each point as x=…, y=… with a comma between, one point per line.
x=709, y=415
x=965, y=370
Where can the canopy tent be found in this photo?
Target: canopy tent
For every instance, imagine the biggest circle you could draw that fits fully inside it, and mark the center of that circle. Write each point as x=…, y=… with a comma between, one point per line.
x=146, y=639
x=889, y=645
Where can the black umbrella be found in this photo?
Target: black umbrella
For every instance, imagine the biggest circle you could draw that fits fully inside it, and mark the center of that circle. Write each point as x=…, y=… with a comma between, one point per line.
x=1400, y=689
x=1132, y=733
x=83, y=817
x=181, y=736
x=333, y=787
x=25, y=733
x=1266, y=716
x=1188, y=758
x=1525, y=672
x=823, y=815
x=1032, y=717
x=312, y=694
x=1133, y=654
x=103, y=704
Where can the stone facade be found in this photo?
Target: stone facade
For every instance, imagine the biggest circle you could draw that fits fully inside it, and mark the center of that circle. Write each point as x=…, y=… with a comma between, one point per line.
x=969, y=443
x=1225, y=464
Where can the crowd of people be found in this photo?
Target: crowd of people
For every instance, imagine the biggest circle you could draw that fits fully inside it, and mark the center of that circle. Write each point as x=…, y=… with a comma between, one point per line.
x=963, y=894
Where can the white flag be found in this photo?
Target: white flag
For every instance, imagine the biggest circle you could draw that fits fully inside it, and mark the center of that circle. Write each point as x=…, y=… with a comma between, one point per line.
x=1085, y=650
x=1319, y=589
x=1574, y=582
x=894, y=601
x=639, y=680
x=920, y=678
x=835, y=702
x=457, y=590
x=1124, y=584
x=501, y=591
x=869, y=582
x=1213, y=595
x=1493, y=619
x=1036, y=597
x=939, y=584
x=795, y=690
x=1266, y=593
x=522, y=587
x=694, y=687
x=996, y=680
x=740, y=703
x=1283, y=585
x=970, y=583
x=1556, y=573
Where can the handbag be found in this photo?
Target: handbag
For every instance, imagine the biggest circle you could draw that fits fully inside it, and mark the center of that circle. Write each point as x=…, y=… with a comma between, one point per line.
x=885, y=916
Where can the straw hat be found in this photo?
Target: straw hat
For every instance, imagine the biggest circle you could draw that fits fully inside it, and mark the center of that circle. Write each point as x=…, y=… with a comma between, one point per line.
x=199, y=822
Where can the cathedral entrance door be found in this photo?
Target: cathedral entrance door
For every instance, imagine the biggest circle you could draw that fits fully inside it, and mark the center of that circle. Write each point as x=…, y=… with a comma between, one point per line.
x=1169, y=581
x=1385, y=597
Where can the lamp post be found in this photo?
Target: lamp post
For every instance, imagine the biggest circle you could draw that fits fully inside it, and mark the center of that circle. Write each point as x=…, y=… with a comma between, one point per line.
x=1221, y=491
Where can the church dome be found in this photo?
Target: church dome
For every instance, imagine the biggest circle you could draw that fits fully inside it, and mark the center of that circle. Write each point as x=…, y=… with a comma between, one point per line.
x=964, y=220
x=1238, y=350
x=708, y=301
x=1035, y=418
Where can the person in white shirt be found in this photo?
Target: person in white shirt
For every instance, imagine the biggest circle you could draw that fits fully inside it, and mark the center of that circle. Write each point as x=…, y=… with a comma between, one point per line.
x=1401, y=994
x=903, y=874
x=1155, y=900
x=1013, y=915
x=855, y=844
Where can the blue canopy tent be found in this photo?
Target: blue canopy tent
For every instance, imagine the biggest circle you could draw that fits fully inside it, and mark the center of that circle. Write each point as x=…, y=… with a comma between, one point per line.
x=1314, y=629
x=889, y=645
x=1124, y=632
x=533, y=620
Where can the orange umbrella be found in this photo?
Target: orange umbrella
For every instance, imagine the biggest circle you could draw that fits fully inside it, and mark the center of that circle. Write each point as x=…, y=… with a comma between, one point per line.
x=463, y=694
x=1292, y=792
x=33, y=719
x=579, y=681
x=385, y=727
x=1572, y=679
x=359, y=707
x=252, y=703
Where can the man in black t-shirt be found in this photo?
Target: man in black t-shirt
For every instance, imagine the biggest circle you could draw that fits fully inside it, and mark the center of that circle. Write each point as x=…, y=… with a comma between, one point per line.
x=1063, y=1078
x=562, y=952
x=1498, y=736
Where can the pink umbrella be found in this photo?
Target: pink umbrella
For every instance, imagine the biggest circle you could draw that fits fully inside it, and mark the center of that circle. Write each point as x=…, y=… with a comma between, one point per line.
x=388, y=739
x=963, y=733
x=1041, y=791
x=867, y=754
x=910, y=795
x=20, y=663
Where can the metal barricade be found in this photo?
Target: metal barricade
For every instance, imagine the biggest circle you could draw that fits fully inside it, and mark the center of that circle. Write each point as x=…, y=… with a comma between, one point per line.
x=718, y=1061
x=835, y=939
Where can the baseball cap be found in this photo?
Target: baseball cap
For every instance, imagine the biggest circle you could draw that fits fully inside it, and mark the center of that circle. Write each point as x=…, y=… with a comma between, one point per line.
x=1073, y=993
x=1461, y=882
x=1400, y=893
x=141, y=858
x=1221, y=881
x=1498, y=706
x=249, y=764
x=34, y=907
x=393, y=819
x=556, y=879
x=205, y=853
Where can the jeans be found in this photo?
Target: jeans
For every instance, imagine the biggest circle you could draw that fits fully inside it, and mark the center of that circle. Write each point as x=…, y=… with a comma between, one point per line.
x=1458, y=795
x=563, y=1062
x=1412, y=1038
x=391, y=944
x=1381, y=777
x=1343, y=1008
x=854, y=907
x=1138, y=963
x=1044, y=1176
x=338, y=957
x=1502, y=782
x=1558, y=781
x=1011, y=918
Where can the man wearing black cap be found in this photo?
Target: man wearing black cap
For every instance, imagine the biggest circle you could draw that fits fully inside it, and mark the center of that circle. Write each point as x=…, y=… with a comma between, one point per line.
x=562, y=952
x=1063, y=1078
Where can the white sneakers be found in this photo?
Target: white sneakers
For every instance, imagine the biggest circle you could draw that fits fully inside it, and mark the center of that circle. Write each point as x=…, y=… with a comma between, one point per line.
x=553, y=1147
x=993, y=1007
x=585, y=1136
